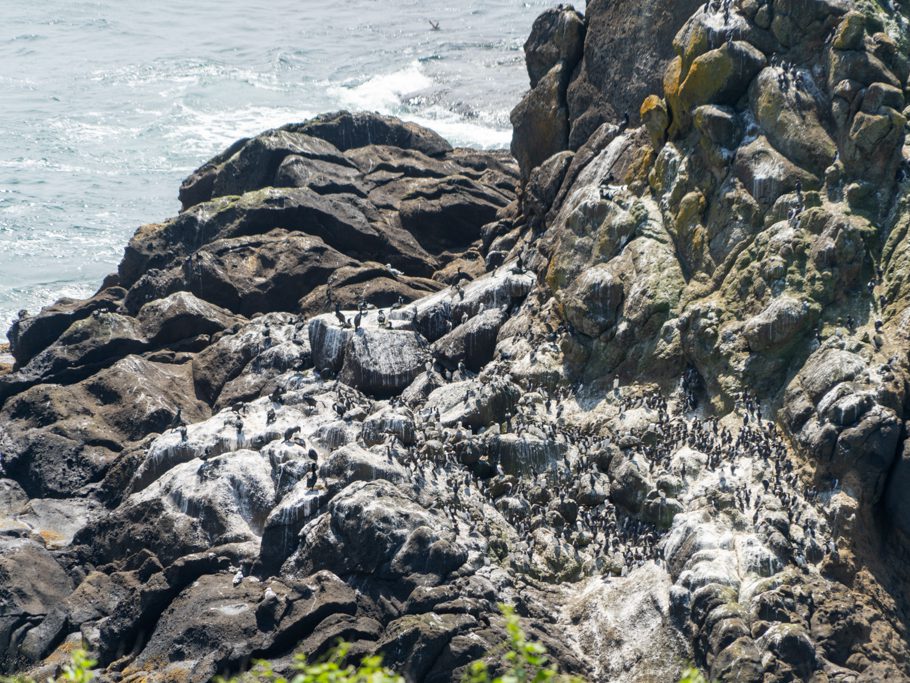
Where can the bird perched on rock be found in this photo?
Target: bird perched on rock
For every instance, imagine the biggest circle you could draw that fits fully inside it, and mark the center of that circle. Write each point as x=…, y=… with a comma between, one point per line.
x=238, y=577
x=339, y=316
x=177, y=420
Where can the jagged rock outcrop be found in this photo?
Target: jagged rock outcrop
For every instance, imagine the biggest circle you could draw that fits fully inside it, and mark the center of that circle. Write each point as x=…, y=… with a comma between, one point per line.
x=363, y=386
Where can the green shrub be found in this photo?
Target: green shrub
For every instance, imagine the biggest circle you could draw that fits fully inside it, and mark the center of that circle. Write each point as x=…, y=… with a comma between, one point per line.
x=693, y=675
x=79, y=670
x=524, y=660
x=521, y=659
x=331, y=670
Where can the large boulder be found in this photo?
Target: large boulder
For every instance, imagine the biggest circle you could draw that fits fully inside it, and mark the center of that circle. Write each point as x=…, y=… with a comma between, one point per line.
x=595, y=302
x=352, y=463
x=66, y=437
x=474, y=403
x=374, y=528
x=473, y=342
x=779, y=323
x=216, y=622
x=32, y=583
x=767, y=174
x=256, y=163
x=31, y=334
x=372, y=284
x=192, y=507
x=181, y=316
x=262, y=273
x=347, y=130
x=719, y=76
x=88, y=345
x=556, y=36
x=383, y=362
x=540, y=122
x=276, y=340
x=449, y=212
x=792, y=124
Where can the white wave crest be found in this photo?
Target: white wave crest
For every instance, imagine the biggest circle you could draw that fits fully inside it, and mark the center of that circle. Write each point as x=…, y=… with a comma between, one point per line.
x=384, y=92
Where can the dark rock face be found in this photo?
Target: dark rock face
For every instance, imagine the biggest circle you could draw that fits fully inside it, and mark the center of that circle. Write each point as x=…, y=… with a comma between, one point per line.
x=32, y=334
x=472, y=343
x=278, y=241
x=361, y=388
x=541, y=119
x=627, y=47
x=136, y=440
x=33, y=584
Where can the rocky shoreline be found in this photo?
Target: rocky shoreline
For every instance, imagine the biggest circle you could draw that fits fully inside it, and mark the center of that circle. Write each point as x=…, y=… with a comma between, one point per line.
x=645, y=378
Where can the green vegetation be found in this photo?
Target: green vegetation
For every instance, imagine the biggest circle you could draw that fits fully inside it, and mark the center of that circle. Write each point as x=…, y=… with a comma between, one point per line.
x=332, y=669
x=79, y=670
x=521, y=659
x=525, y=661
x=693, y=675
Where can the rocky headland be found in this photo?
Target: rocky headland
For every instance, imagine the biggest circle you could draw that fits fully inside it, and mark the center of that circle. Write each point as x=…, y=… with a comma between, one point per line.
x=645, y=378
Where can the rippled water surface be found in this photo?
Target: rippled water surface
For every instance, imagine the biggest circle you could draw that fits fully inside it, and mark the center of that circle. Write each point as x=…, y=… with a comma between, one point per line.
x=108, y=105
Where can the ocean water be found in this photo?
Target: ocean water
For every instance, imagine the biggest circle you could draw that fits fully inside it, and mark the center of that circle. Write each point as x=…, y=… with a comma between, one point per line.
x=108, y=104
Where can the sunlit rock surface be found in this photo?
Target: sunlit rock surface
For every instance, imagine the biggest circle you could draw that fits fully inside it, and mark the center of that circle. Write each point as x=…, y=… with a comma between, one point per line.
x=647, y=384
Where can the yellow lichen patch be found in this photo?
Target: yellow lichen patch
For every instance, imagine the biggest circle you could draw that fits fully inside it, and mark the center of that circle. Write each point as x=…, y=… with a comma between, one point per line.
x=868, y=130
x=719, y=76
x=850, y=31
x=555, y=278
x=672, y=79
x=67, y=648
x=656, y=117
x=697, y=43
x=707, y=76
x=650, y=103
x=691, y=209
x=640, y=165
x=50, y=537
